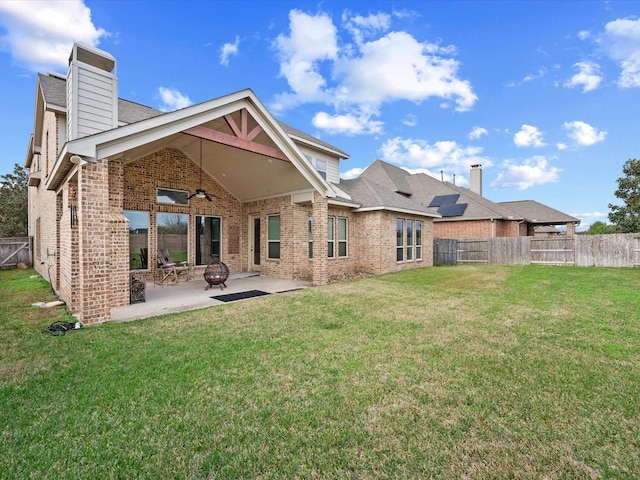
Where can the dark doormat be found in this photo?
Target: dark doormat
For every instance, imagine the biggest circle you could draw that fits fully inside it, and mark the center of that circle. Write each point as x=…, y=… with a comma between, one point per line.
x=232, y=297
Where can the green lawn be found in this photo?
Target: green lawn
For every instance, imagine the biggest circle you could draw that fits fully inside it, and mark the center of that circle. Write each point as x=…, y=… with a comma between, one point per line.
x=450, y=372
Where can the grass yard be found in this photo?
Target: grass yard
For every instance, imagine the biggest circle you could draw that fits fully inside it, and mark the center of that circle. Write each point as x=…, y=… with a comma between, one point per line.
x=451, y=372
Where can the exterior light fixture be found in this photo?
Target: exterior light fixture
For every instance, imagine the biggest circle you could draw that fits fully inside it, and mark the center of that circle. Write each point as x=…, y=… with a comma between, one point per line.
x=77, y=160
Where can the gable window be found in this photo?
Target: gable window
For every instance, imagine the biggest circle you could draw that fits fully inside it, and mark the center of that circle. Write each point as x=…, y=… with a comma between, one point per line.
x=418, y=240
x=172, y=197
x=409, y=240
x=208, y=239
x=342, y=237
x=399, y=240
x=138, y=239
x=273, y=237
x=319, y=163
x=330, y=237
x=172, y=235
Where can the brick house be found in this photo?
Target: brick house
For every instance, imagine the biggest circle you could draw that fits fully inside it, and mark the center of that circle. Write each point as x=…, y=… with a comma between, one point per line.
x=464, y=212
x=112, y=181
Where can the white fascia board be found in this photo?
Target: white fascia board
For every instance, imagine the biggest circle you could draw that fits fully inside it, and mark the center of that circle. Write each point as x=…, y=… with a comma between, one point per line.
x=400, y=210
x=340, y=192
x=343, y=203
x=317, y=146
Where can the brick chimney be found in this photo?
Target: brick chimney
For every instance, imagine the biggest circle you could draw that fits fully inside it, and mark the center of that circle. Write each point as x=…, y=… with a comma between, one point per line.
x=92, y=92
x=475, y=179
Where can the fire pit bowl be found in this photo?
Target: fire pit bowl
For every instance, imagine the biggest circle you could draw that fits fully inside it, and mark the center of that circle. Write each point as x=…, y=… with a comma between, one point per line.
x=216, y=273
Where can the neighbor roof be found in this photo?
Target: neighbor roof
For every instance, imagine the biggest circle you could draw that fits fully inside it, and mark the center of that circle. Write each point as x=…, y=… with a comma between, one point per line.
x=537, y=213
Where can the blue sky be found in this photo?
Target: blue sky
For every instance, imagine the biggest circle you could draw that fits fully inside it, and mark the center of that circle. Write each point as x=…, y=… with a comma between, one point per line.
x=544, y=94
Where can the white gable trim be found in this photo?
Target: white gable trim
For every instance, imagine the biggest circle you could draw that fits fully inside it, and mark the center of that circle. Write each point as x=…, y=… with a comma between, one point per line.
x=118, y=140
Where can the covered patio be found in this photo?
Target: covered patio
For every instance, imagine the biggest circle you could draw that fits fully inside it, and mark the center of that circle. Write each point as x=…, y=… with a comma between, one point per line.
x=191, y=295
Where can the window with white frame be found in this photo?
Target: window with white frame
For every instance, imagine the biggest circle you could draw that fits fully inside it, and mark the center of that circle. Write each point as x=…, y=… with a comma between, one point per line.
x=418, y=240
x=331, y=221
x=342, y=237
x=273, y=237
x=399, y=240
x=409, y=240
x=319, y=163
x=337, y=232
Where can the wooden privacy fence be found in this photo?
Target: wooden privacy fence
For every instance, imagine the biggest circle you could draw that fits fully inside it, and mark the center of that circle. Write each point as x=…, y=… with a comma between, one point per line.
x=15, y=250
x=618, y=250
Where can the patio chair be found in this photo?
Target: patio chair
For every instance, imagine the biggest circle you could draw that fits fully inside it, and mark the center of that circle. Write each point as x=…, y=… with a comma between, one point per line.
x=169, y=268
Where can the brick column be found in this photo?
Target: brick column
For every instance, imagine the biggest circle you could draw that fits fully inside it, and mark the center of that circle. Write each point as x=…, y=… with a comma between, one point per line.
x=571, y=229
x=320, y=269
x=94, y=276
x=119, y=234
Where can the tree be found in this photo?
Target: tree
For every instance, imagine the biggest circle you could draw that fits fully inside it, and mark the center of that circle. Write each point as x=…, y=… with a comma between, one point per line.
x=601, y=228
x=627, y=217
x=14, y=209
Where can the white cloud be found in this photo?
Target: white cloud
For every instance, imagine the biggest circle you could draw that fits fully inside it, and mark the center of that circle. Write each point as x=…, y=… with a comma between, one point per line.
x=360, y=76
x=312, y=39
x=417, y=156
x=583, y=134
x=590, y=215
x=621, y=42
x=533, y=76
x=561, y=146
x=365, y=27
x=534, y=171
x=39, y=34
x=584, y=34
x=227, y=50
x=477, y=132
x=410, y=120
x=398, y=67
x=528, y=136
x=353, y=173
x=172, y=99
x=348, y=124
x=588, y=77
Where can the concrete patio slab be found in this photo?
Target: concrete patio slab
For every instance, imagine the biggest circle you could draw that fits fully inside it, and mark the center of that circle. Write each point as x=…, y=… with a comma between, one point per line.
x=192, y=295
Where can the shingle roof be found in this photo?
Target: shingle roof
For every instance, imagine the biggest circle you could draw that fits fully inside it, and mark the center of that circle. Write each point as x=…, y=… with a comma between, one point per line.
x=537, y=213
x=422, y=188
x=371, y=195
x=54, y=93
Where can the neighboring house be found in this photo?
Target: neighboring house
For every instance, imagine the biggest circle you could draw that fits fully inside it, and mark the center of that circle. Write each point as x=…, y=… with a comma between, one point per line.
x=465, y=213
x=112, y=181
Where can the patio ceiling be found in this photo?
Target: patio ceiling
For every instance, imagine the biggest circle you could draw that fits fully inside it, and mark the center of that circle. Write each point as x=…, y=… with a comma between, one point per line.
x=248, y=169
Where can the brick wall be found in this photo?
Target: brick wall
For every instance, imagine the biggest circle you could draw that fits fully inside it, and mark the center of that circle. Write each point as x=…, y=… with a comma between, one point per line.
x=43, y=206
x=477, y=229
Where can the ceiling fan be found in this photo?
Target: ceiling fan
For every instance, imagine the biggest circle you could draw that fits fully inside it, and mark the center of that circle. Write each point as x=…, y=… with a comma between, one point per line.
x=200, y=192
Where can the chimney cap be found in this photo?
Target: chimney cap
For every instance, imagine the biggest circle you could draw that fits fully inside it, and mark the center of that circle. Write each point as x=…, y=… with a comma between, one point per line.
x=476, y=165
